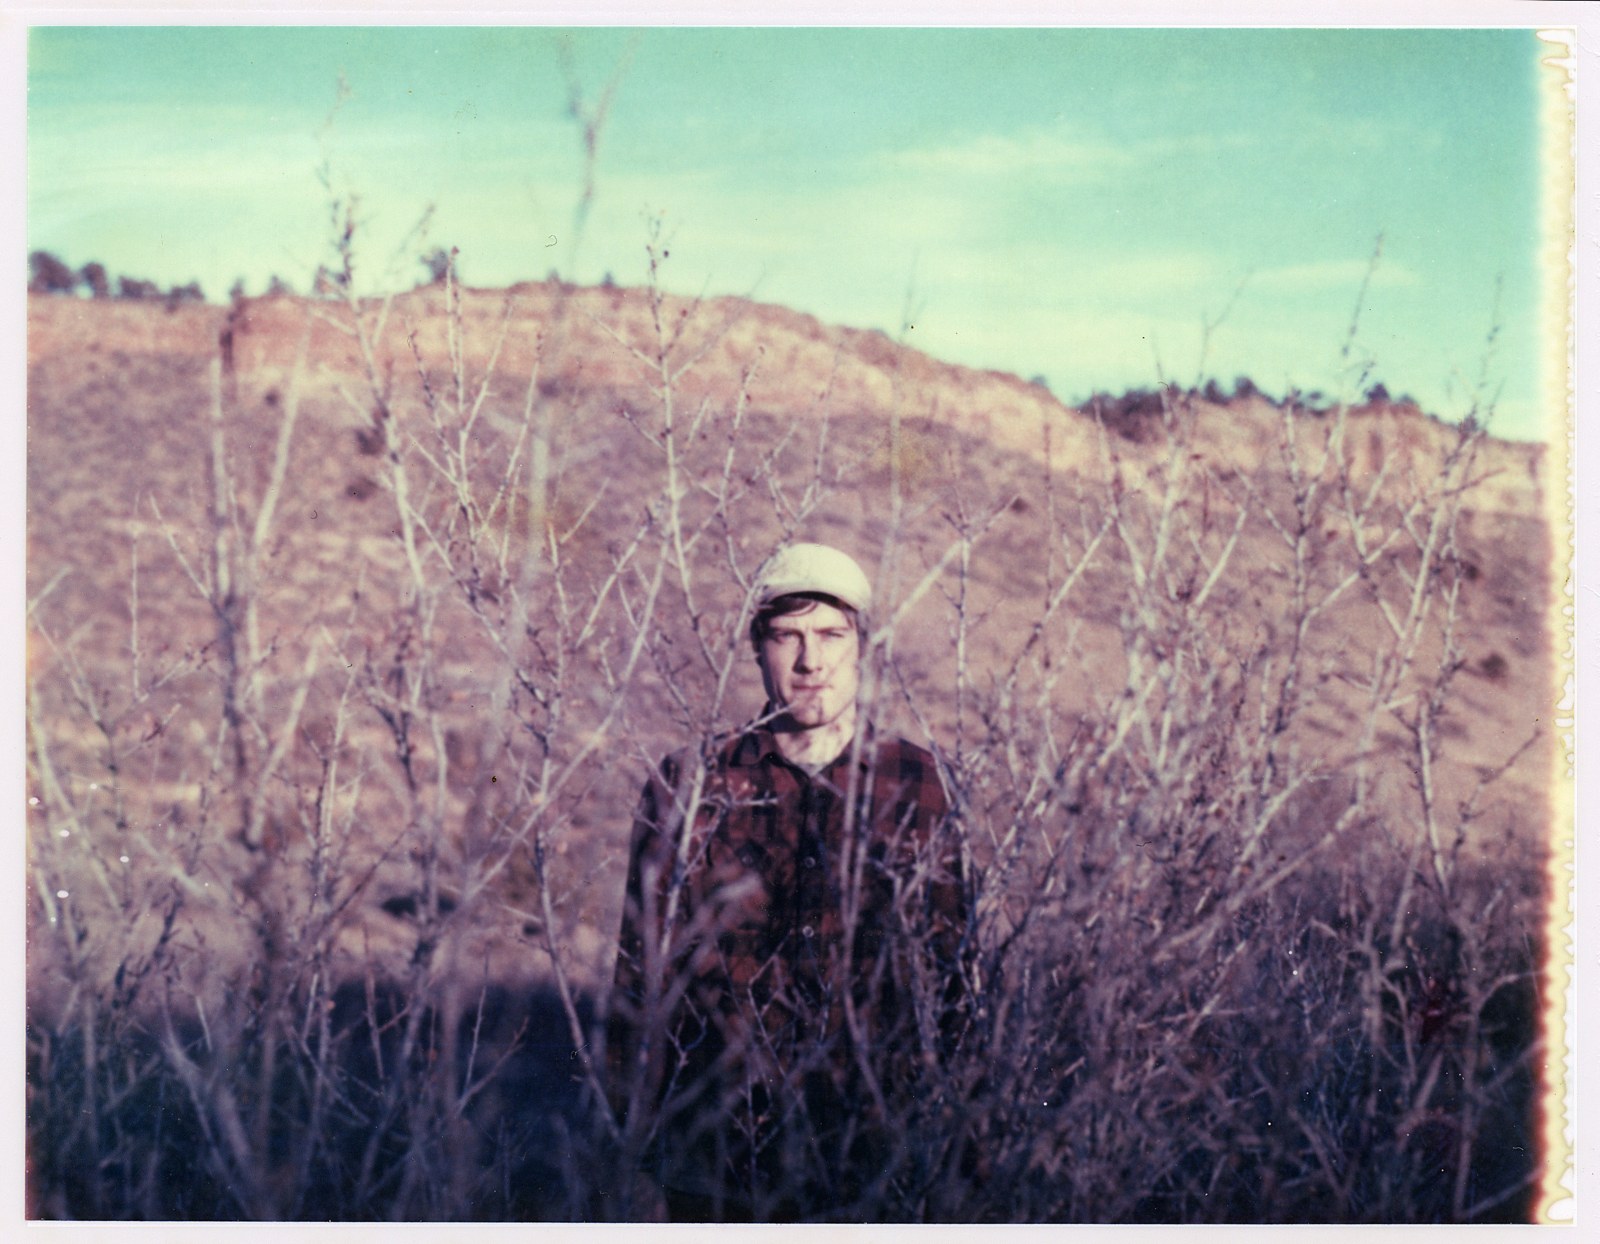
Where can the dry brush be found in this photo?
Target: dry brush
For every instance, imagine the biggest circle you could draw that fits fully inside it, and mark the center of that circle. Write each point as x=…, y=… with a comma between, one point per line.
x=325, y=852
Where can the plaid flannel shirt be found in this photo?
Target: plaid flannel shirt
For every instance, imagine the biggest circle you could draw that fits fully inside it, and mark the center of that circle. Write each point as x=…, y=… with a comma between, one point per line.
x=741, y=937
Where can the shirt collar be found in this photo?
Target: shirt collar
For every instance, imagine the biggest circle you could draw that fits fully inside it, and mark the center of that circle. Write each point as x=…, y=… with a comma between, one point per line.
x=758, y=745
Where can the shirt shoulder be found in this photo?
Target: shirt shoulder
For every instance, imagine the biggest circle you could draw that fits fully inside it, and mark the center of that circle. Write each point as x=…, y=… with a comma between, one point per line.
x=894, y=752
x=910, y=772
x=734, y=755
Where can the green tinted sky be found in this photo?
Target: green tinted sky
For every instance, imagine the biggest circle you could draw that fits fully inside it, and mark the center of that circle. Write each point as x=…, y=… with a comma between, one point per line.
x=1069, y=203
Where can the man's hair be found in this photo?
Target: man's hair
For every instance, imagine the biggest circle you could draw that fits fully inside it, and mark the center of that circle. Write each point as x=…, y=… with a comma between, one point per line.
x=796, y=603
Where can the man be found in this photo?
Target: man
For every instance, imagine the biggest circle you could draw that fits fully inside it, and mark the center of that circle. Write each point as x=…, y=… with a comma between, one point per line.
x=789, y=962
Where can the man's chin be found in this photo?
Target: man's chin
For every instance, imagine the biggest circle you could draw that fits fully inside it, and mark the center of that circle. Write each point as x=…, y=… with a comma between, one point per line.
x=808, y=716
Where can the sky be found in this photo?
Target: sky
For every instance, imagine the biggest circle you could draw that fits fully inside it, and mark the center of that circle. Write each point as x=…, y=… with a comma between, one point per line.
x=1102, y=208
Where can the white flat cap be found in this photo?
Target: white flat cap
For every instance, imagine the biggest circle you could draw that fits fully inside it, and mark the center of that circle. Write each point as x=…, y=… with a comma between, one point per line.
x=814, y=568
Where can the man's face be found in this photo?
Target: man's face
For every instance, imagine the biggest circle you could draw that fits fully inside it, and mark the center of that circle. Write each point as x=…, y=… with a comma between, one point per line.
x=811, y=664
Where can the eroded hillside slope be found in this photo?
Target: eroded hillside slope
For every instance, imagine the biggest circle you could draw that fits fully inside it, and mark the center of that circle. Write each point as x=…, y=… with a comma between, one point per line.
x=992, y=479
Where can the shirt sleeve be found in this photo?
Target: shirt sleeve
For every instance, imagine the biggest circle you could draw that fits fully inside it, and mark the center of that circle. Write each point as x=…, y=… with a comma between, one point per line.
x=949, y=908
x=631, y=1059
x=929, y=858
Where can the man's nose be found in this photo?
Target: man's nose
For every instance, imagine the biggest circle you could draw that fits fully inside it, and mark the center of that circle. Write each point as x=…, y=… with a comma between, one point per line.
x=806, y=657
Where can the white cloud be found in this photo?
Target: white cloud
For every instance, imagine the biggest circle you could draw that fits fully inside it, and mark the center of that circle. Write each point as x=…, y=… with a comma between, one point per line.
x=1332, y=274
x=1058, y=153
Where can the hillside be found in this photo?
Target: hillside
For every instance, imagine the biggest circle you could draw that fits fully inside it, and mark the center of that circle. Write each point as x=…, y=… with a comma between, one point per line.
x=356, y=628
x=118, y=443
x=106, y=376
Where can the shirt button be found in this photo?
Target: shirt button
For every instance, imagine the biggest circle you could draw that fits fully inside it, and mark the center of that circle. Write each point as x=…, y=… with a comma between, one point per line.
x=807, y=932
x=810, y=861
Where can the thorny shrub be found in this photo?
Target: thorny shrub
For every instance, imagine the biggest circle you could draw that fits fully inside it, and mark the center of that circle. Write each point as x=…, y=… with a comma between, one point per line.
x=1209, y=973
